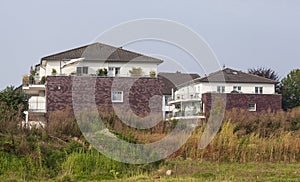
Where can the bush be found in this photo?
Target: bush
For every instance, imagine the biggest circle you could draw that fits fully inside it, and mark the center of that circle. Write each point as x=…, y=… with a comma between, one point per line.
x=102, y=72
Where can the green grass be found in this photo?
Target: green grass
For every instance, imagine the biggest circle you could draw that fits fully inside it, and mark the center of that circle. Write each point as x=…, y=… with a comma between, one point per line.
x=256, y=148
x=198, y=171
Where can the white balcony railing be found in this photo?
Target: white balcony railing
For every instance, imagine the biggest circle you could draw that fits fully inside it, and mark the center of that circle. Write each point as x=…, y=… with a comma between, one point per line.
x=185, y=98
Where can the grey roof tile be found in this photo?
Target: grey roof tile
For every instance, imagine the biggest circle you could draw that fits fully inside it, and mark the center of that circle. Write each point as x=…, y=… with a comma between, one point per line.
x=174, y=80
x=103, y=52
x=229, y=75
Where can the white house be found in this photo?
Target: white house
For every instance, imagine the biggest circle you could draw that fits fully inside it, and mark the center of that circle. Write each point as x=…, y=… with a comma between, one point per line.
x=84, y=61
x=87, y=60
x=171, y=81
x=188, y=98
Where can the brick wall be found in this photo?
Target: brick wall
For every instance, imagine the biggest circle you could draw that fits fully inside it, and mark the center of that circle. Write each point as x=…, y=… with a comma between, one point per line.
x=234, y=100
x=136, y=91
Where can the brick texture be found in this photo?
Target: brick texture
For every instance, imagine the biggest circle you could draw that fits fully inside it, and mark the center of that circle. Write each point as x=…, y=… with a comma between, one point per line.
x=137, y=92
x=234, y=100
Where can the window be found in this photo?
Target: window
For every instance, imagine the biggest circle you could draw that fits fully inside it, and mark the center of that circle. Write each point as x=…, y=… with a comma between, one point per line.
x=167, y=99
x=221, y=89
x=117, y=71
x=237, y=88
x=85, y=70
x=259, y=90
x=114, y=71
x=117, y=96
x=82, y=70
x=252, y=107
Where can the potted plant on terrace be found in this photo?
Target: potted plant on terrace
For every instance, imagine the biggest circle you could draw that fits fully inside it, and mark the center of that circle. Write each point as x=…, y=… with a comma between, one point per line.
x=152, y=74
x=43, y=80
x=54, y=72
x=102, y=72
x=26, y=80
x=136, y=71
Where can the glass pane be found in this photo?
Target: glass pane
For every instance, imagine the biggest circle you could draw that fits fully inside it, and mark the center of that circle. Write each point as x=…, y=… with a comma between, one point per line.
x=79, y=71
x=85, y=70
x=117, y=71
x=117, y=96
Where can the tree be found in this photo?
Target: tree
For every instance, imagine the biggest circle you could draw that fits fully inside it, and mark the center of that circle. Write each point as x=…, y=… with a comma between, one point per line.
x=12, y=98
x=267, y=73
x=290, y=89
x=264, y=72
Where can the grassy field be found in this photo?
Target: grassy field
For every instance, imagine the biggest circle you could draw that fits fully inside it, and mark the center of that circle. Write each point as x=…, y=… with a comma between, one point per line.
x=248, y=147
x=95, y=167
x=197, y=171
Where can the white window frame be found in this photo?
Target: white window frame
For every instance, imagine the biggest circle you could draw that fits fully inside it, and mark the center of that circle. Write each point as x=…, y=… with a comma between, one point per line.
x=114, y=99
x=117, y=71
x=82, y=70
x=259, y=90
x=250, y=108
x=220, y=89
x=114, y=71
x=237, y=88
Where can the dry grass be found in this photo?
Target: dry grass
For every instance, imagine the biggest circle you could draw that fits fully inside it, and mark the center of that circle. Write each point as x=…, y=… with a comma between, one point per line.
x=245, y=137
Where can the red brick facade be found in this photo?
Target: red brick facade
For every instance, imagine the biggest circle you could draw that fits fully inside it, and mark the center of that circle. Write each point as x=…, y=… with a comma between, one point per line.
x=263, y=102
x=59, y=93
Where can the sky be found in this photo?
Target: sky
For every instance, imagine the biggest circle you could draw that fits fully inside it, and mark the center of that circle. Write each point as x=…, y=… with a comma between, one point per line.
x=242, y=33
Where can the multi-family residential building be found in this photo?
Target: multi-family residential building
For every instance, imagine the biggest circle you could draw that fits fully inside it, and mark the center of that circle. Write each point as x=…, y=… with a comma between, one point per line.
x=176, y=95
x=171, y=82
x=94, y=60
x=242, y=90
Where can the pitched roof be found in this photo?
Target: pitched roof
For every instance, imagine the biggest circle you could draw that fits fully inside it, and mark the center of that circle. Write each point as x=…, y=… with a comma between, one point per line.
x=173, y=80
x=229, y=75
x=99, y=51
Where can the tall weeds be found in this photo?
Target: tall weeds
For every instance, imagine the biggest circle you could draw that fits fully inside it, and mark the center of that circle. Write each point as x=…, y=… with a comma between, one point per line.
x=246, y=137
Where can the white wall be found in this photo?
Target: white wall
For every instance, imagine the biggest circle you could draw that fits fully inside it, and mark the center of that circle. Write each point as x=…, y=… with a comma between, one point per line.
x=200, y=88
x=165, y=106
x=93, y=66
x=248, y=88
x=125, y=67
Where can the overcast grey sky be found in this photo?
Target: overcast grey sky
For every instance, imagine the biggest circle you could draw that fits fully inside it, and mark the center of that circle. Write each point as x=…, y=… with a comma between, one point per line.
x=243, y=34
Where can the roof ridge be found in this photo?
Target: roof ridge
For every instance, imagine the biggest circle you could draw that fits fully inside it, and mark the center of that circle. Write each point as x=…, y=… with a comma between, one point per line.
x=179, y=73
x=263, y=79
x=72, y=49
x=213, y=73
x=117, y=49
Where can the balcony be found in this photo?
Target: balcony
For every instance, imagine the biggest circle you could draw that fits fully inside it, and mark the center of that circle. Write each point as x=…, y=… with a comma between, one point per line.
x=187, y=115
x=185, y=98
x=32, y=86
